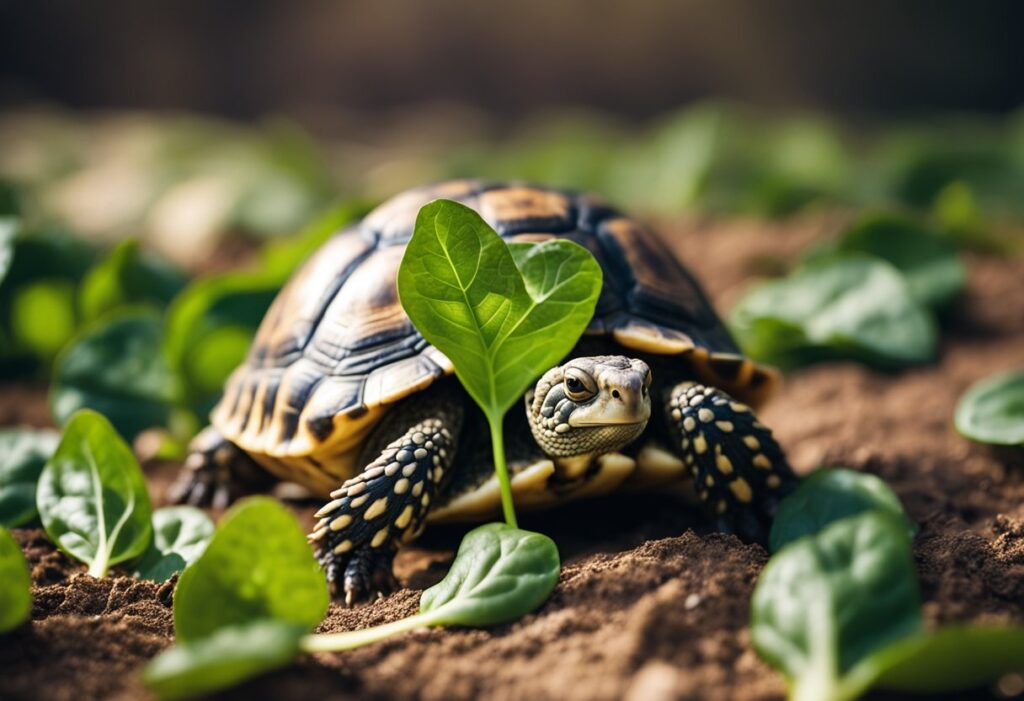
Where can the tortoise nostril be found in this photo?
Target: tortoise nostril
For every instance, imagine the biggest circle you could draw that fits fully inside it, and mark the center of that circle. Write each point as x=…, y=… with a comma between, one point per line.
x=615, y=393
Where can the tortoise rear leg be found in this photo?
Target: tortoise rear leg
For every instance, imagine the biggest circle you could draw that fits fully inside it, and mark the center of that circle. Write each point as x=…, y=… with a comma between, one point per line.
x=385, y=505
x=740, y=472
x=216, y=473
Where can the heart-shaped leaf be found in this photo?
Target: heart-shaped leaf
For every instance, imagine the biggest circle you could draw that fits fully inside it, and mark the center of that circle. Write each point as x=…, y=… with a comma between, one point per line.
x=92, y=496
x=460, y=285
x=23, y=452
x=502, y=318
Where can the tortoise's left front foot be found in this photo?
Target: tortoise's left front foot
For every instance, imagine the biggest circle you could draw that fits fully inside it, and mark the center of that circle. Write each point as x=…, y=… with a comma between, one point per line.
x=740, y=472
x=360, y=574
x=216, y=473
x=382, y=507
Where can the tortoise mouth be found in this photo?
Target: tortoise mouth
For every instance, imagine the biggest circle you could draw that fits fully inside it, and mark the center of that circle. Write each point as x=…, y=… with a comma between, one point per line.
x=597, y=424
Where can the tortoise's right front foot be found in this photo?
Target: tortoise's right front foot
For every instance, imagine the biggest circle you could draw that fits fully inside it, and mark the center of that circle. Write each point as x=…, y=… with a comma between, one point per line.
x=380, y=508
x=216, y=473
x=739, y=470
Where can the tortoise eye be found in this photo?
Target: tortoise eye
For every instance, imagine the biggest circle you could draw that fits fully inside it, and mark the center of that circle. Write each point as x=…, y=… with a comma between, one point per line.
x=579, y=387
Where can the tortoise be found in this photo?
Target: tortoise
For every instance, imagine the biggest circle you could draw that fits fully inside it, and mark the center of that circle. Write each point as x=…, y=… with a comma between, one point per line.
x=342, y=395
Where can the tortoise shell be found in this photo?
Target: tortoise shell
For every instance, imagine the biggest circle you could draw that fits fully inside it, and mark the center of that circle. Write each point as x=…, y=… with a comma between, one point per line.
x=336, y=348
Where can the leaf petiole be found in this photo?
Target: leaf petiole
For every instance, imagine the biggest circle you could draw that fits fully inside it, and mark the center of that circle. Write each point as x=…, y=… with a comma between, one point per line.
x=348, y=640
x=501, y=469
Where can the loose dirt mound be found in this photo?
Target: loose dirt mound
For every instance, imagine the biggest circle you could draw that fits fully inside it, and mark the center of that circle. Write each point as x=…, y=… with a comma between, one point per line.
x=650, y=605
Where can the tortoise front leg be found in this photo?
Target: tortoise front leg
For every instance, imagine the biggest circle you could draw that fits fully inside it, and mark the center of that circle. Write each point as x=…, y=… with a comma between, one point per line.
x=216, y=473
x=739, y=471
x=382, y=507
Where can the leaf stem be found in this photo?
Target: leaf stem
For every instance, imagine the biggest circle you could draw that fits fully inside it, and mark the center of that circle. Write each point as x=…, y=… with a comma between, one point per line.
x=501, y=469
x=336, y=642
x=98, y=567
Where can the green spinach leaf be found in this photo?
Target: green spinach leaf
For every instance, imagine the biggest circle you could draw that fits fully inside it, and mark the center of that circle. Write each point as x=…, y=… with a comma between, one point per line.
x=934, y=273
x=15, y=584
x=992, y=410
x=828, y=496
x=23, y=452
x=257, y=566
x=43, y=316
x=129, y=276
x=180, y=534
x=92, y=496
x=38, y=313
x=223, y=659
x=500, y=574
x=117, y=368
x=824, y=604
x=849, y=306
x=501, y=324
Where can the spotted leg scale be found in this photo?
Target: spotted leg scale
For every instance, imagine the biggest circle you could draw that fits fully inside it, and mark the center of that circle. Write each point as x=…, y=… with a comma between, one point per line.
x=738, y=468
x=385, y=505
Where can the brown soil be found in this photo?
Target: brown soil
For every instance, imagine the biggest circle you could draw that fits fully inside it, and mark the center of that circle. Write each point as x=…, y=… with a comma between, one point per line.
x=650, y=605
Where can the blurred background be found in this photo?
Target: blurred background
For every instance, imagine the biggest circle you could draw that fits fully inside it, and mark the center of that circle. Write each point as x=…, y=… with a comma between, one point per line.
x=203, y=116
x=148, y=148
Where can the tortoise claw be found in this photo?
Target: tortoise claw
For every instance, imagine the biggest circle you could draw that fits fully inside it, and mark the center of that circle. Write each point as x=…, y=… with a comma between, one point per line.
x=363, y=574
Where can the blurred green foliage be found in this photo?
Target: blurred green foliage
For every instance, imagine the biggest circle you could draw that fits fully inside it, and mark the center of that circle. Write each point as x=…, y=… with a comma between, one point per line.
x=116, y=367
x=875, y=293
x=131, y=336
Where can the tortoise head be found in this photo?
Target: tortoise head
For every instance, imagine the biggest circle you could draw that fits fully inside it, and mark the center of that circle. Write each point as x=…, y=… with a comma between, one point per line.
x=590, y=406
